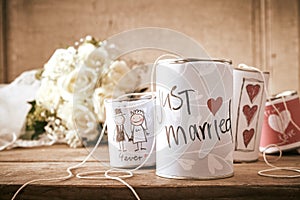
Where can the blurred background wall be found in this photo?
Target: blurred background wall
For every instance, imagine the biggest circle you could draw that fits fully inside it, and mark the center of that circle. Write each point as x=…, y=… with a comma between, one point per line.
x=261, y=33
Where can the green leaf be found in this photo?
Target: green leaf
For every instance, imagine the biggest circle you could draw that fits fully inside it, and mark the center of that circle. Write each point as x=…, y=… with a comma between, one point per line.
x=39, y=128
x=35, y=123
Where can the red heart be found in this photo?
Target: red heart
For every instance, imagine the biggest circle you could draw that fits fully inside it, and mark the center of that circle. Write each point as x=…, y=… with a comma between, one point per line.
x=248, y=135
x=252, y=91
x=214, y=105
x=249, y=112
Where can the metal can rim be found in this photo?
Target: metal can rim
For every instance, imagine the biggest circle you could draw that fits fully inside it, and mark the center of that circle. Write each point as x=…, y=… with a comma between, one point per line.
x=195, y=178
x=141, y=96
x=187, y=60
x=249, y=70
x=284, y=94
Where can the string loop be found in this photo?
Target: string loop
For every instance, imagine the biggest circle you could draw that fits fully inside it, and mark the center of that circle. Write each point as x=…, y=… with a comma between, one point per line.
x=107, y=173
x=276, y=168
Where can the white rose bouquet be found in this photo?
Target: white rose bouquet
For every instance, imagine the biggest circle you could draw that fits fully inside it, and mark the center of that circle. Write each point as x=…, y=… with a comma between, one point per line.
x=74, y=83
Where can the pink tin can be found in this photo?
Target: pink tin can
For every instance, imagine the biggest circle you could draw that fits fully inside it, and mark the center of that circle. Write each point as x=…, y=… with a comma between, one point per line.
x=281, y=122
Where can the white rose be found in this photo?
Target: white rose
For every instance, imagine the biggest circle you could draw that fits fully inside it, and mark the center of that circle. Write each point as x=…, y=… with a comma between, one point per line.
x=61, y=62
x=124, y=79
x=98, y=100
x=100, y=94
x=116, y=70
x=98, y=59
x=80, y=82
x=48, y=94
x=85, y=122
x=119, y=67
x=65, y=112
x=85, y=50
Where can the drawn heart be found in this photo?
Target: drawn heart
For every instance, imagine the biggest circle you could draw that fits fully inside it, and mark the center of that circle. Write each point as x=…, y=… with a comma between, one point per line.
x=280, y=122
x=186, y=164
x=214, y=105
x=213, y=164
x=252, y=91
x=247, y=136
x=249, y=112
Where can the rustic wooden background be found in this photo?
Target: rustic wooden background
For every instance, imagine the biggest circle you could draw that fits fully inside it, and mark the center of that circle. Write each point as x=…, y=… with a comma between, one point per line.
x=262, y=33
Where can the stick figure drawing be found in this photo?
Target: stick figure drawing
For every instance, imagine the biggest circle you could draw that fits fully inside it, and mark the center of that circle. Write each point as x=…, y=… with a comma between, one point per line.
x=138, y=128
x=120, y=130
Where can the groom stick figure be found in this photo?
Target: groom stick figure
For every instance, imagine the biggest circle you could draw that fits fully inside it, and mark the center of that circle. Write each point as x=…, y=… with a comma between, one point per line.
x=120, y=130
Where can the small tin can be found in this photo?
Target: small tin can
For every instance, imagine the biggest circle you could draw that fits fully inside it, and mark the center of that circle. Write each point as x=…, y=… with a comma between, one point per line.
x=248, y=109
x=281, y=122
x=193, y=119
x=130, y=128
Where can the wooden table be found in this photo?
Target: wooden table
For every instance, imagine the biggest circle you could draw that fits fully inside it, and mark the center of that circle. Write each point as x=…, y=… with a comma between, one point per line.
x=20, y=165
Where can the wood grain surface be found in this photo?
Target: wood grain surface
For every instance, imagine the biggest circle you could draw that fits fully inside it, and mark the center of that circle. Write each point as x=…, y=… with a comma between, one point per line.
x=20, y=165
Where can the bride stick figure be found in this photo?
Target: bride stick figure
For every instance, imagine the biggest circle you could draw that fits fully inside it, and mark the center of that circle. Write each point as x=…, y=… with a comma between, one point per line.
x=120, y=130
x=138, y=128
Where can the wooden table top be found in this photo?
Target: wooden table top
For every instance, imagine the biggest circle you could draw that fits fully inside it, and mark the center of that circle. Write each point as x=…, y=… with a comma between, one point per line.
x=18, y=166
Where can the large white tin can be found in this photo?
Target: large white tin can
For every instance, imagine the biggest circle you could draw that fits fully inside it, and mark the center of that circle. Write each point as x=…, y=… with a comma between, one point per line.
x=193, y=119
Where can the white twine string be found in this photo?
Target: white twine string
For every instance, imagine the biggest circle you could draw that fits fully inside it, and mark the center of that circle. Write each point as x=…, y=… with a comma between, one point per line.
x=292, y=121
x=69, y=170
x=273, y=167
x=85, y=175
x=128, y=173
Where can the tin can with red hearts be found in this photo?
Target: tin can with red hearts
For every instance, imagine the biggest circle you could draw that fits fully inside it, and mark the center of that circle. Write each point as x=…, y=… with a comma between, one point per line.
x=281, y=122
x=249, y=99
x=193, y=119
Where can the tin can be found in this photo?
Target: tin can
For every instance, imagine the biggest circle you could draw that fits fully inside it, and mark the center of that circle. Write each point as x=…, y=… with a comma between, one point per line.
x=193, y=119
x=248, y=110
x=130, y=128
x=281, y=122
